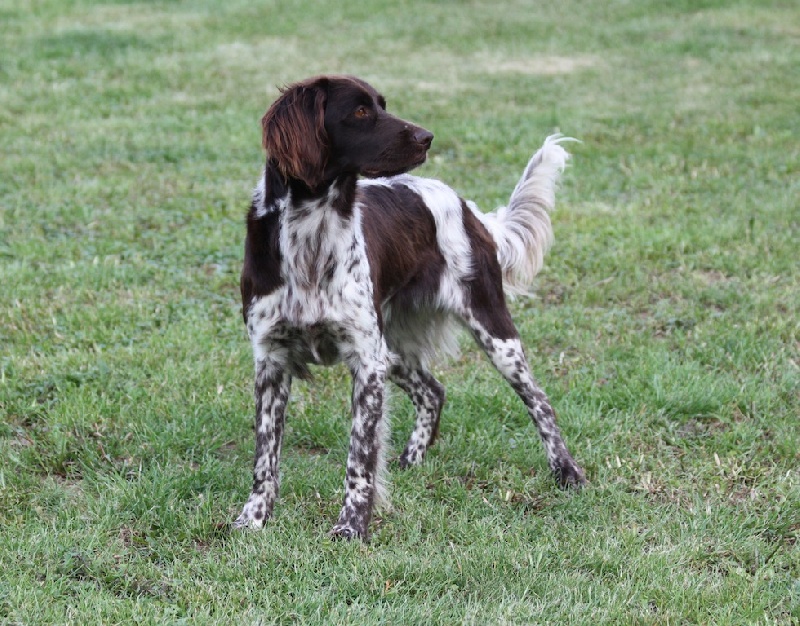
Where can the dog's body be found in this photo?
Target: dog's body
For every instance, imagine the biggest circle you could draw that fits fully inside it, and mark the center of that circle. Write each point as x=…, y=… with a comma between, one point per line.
x=376, y=273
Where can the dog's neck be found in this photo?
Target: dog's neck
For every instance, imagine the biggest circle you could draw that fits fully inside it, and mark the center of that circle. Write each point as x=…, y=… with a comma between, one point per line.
x=292, y=195
x=319, y=230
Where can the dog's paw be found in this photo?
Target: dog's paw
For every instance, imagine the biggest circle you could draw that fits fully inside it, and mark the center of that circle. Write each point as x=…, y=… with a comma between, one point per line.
x=245, y=523
x=352, y=524
x=254, y=513
x=569, y=475
x=347, y=532
x=412, y=455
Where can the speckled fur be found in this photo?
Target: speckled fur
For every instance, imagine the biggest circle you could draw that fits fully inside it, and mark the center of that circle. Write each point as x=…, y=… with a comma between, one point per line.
x=378, y=273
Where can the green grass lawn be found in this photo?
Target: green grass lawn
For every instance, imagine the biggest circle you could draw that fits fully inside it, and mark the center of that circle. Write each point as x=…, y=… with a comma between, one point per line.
x=664, y=326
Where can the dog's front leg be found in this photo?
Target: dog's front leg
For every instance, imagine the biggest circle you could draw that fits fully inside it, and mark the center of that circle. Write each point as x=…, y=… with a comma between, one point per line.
x=363, y=479
x=272, y=393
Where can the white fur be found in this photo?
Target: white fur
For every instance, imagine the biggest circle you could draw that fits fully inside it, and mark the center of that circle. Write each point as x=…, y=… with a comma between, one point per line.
x=522, y=231
x=258, y=196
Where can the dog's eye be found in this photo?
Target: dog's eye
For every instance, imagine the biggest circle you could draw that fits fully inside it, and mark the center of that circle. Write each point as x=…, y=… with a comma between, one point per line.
x=362, y=112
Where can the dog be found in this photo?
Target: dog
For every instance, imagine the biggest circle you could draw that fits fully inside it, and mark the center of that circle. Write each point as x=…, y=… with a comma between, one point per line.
x=350, y=259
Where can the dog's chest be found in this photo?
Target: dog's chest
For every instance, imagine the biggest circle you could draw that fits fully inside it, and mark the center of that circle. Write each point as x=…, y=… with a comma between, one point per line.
x=326, y=298
x=324, y=267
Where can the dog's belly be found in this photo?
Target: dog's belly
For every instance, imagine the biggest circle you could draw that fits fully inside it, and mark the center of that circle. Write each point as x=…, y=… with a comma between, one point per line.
x=317, y=344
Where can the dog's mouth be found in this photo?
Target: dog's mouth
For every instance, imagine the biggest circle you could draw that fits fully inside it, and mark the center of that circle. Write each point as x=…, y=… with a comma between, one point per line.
x=395, y=171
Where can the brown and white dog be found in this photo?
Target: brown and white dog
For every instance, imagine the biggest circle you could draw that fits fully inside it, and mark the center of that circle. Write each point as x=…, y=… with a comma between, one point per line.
x=378, y=273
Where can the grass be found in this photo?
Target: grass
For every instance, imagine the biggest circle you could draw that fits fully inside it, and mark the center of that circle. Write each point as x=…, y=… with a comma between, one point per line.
x=664, y=327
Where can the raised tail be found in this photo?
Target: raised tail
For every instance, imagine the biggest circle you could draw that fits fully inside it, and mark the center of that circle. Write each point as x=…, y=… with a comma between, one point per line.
x=522, y=231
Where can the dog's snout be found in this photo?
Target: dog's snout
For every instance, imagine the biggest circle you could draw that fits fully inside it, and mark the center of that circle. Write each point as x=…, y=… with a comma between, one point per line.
x=423, y=137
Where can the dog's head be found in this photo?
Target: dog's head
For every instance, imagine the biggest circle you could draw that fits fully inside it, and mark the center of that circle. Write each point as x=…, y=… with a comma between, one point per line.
x=327, y=126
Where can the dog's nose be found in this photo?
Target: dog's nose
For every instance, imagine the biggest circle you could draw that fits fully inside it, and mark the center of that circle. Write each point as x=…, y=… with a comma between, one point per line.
x=423, y=137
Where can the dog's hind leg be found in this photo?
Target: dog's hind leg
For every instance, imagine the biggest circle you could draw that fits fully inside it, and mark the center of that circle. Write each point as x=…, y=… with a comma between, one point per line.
x=486, y=315
x=508, y=357
x=428, y=396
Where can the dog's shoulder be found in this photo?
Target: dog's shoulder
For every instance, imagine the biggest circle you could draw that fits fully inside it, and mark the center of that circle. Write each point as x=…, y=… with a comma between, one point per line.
x=261, y=270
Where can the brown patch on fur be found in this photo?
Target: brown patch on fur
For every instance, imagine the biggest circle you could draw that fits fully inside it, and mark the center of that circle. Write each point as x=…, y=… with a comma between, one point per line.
x=487, y=300
x=262, y=253
x=400, y=233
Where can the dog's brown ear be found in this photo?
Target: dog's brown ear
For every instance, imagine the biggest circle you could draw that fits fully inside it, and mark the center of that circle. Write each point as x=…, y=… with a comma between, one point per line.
x=294, y=132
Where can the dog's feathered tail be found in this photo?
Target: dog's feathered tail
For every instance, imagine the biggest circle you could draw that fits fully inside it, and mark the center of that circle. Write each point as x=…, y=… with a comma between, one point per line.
x=522, y=231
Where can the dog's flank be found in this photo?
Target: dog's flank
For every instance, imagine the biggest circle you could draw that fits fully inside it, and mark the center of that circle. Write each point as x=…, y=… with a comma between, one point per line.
x=378, y=273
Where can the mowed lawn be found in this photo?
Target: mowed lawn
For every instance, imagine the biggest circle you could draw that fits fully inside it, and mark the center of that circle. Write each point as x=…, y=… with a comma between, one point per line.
x=664, y=325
